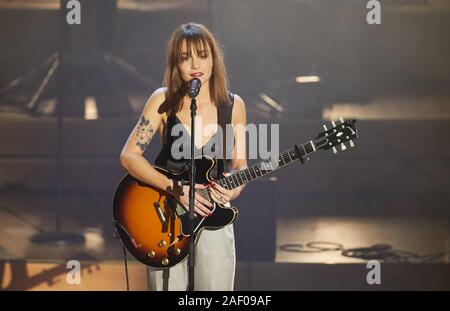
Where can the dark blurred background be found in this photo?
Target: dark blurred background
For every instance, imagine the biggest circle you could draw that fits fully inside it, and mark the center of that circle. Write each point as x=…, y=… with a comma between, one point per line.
x=296, y=63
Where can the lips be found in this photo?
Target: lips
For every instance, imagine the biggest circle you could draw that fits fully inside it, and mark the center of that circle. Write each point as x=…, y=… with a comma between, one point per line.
x=196, y=74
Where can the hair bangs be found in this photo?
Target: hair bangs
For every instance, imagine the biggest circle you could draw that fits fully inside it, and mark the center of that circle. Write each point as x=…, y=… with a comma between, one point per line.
x=195, y=42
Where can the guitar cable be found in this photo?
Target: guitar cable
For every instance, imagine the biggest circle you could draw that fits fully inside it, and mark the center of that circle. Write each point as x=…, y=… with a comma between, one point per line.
x=382, y=252
x=126, y=267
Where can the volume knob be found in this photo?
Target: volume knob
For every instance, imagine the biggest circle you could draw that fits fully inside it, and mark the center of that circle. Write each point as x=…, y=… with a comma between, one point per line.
x=162, y=243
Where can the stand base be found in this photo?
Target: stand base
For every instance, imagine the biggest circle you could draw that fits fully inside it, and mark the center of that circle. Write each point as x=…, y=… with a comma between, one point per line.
x=58, y=238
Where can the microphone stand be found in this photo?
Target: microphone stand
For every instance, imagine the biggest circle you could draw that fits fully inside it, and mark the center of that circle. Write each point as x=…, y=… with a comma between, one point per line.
x=191, y=251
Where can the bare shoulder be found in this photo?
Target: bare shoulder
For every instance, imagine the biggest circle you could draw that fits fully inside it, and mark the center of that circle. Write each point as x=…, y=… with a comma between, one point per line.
x=158, y=96
x=238, y=101
x=239, y=114
x=154, y=102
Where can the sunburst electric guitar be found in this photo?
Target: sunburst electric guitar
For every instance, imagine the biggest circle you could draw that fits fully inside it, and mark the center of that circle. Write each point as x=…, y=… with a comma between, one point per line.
x=154, y=228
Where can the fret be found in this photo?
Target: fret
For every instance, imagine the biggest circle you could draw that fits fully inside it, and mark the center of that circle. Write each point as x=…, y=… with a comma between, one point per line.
x=219, y=182
x=246, y=171
x=257, y=172
x=250, y=171
x=227, y=181
x=313, y=147
x=261, y=167
x=232, y=182
x=236, y=182
x=309, y=147
x=244, y=178
x=286, y=158
x=271, y=166
x=238, y=177
x=292, y=155
x=304, y=149
x=280, y=160
x=265, y=167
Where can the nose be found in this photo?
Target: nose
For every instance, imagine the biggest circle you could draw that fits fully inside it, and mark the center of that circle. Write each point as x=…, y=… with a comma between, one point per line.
x=194, y=62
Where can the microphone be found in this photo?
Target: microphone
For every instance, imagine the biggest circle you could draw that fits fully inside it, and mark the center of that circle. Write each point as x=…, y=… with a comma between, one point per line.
x=194, y=87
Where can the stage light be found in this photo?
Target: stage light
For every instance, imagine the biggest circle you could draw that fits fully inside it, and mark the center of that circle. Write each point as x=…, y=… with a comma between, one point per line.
x=90, y=108
x=307, y=79
x=271, y=102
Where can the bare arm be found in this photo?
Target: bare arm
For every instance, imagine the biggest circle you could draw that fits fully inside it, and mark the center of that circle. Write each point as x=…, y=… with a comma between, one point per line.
x=131, y=157
x=239, y=119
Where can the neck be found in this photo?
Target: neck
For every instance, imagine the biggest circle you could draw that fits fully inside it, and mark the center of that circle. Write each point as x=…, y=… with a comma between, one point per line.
x=298, y=152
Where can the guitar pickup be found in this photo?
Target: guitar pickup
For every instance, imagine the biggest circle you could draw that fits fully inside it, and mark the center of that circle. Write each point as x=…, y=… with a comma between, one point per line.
x=160, y=213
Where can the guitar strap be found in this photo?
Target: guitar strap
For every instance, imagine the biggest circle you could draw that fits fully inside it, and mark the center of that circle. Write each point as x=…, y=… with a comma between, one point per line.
x=224, y=118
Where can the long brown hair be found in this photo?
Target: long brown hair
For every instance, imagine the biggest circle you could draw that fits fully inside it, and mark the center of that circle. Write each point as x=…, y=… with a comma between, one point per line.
x=200, y=37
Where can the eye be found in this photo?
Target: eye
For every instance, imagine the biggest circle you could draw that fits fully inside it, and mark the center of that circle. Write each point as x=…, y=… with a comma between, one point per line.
x=184, y=58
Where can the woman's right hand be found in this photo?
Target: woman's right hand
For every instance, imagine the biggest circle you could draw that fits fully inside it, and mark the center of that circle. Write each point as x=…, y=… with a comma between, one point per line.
x=202, y=206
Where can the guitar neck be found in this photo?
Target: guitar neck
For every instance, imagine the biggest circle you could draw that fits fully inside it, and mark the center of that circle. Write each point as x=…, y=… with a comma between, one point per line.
x=265, y=167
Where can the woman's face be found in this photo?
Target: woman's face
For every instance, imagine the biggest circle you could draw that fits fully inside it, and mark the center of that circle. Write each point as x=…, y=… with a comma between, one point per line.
x=198, y=65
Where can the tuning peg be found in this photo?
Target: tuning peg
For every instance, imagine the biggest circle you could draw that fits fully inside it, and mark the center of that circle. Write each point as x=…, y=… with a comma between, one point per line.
x=333, y=123
x=341, y=119
x=334, y=150
x=343, y=147
x=351, y=143
x=325, y=127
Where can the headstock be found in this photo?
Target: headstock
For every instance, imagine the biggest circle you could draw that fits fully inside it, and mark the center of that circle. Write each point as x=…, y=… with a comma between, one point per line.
x=337, y=135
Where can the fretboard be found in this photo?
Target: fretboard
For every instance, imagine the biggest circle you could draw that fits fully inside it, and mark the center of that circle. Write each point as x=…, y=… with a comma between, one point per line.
x=267, y=166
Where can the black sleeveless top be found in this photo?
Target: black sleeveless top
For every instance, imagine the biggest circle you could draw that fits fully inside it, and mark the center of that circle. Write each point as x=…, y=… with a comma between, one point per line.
x=182, y=140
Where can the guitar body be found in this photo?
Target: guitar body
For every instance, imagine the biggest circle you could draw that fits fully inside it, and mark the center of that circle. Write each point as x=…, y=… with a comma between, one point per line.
x=151, y=226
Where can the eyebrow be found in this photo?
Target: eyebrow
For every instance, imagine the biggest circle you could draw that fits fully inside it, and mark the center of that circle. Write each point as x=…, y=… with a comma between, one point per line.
x=186, y=53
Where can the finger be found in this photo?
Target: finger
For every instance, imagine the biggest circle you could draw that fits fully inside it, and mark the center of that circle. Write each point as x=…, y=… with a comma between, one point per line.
x=214, y=196
x=219, y=197
x=221, y=190
x=186, y=207
x=200, y=186
x=203, y=200
x=203, y=207
x=200, y=212
x=219, y=187
x=197, y=210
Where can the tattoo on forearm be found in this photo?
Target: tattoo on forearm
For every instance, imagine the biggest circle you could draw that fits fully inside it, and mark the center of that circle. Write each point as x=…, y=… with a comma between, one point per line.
x=144, y=133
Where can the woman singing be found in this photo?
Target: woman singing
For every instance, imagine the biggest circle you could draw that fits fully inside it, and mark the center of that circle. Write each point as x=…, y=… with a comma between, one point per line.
x=192, y=52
